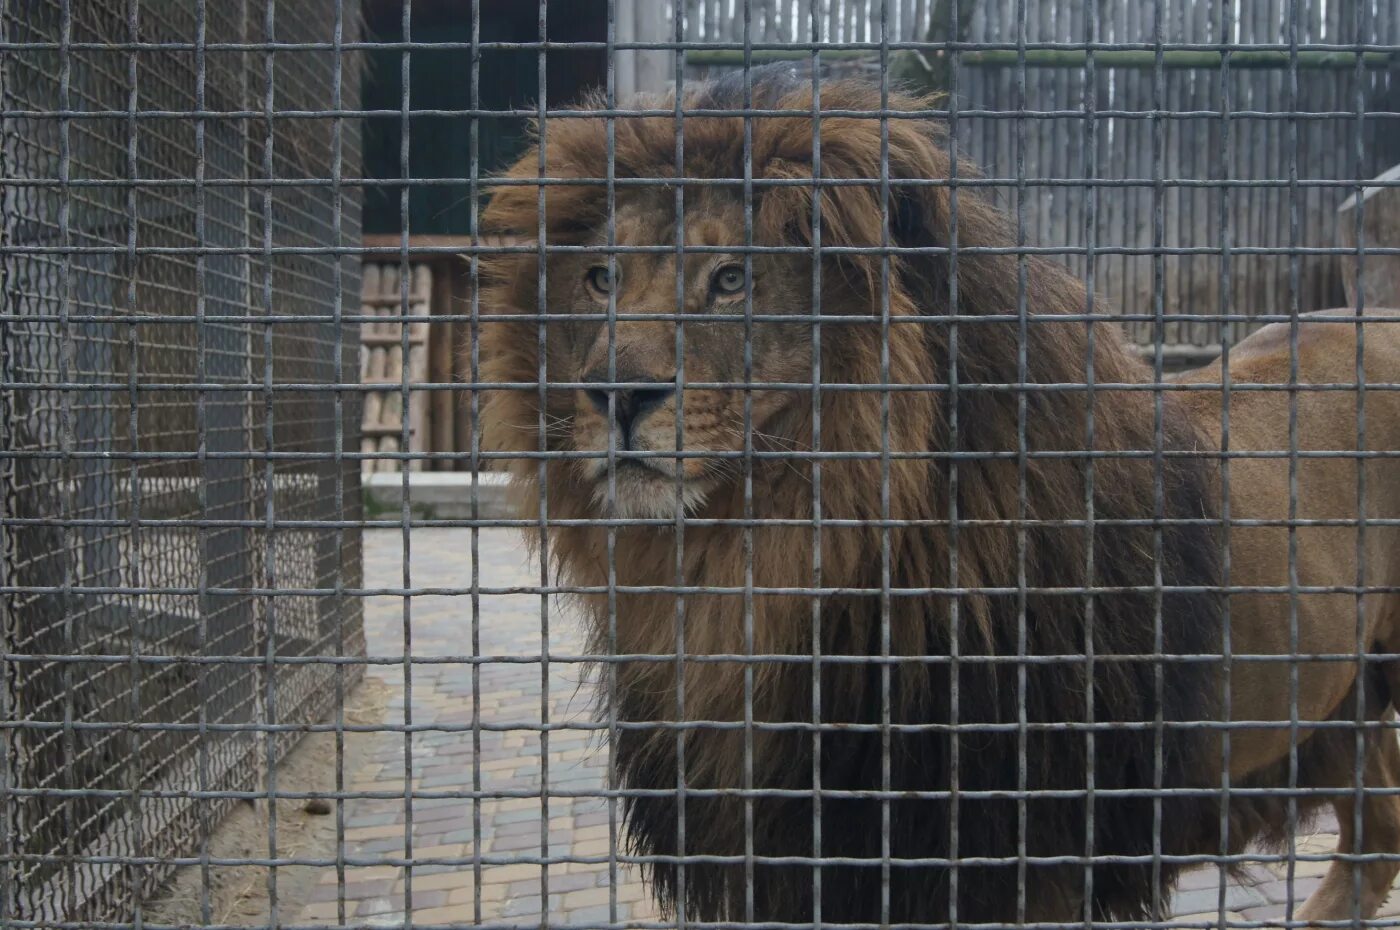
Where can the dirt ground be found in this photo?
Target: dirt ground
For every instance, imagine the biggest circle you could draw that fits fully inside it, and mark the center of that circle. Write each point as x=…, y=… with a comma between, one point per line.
x=239, y=895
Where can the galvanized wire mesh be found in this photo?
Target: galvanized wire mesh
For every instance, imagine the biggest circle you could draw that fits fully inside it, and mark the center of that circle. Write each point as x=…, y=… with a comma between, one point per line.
x=182, y=582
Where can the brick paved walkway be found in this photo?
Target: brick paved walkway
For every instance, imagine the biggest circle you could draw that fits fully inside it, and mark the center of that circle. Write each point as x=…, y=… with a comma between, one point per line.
x=512, y=760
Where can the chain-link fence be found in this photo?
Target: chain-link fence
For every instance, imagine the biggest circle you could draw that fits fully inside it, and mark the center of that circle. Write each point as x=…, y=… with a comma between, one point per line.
x=887, y=544
x=165, y=495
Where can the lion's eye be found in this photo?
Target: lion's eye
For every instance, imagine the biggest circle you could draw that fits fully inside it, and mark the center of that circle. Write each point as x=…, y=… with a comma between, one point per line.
x=730, y=280
x=601, y=279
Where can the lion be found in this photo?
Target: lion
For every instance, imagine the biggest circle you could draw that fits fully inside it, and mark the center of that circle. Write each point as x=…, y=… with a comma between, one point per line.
x=921, y=599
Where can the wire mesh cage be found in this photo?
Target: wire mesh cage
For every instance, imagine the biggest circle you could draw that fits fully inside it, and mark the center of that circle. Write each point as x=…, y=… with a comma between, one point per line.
x=730, y=463
x=145, y=303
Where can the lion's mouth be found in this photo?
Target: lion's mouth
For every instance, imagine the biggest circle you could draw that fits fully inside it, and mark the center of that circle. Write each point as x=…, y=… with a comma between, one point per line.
x=634, y=468
x=643, y=489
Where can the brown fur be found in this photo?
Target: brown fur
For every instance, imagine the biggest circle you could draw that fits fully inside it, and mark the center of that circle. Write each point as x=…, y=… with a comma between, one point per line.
x=1023, y=537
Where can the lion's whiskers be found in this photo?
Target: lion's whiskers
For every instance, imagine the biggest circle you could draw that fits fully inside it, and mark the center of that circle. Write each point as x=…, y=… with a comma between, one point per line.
x=776, y=444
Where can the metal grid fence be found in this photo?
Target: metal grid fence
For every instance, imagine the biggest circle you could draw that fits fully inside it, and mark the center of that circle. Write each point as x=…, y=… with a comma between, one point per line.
x=911, y=594
x=157, y=298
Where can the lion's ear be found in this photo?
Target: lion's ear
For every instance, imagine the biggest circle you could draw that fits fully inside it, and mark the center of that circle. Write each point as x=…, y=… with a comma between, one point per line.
x=575, y=148
x=918, y=211
x=853, y=214
x=511, y=212
x=912, y=219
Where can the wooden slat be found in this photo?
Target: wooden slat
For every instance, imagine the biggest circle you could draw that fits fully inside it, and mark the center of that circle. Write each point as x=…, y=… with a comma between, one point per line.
x=382, y=358
x=376, y=339
x=1259, y=149
x=441, y=343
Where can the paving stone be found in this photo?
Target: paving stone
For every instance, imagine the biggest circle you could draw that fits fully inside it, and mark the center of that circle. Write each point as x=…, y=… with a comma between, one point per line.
x=530, y=842
x=449, y=914
x=588, y=898
x=505, y=874
x=1201, y=900
x=457, y=812
x=1277, y=892
x=457, y=877
x=464, y=837
x=1206, y=877
x=362, y=890
x=425, y=898
x=491, y=896
x=592, y=818
x=357, y=873
x=594, y=916
x=1266, y=912
x=379, y=905
x=520, y=827
x=325, y=910
x=1212, y=918
x=383, y=831
x=371, y=848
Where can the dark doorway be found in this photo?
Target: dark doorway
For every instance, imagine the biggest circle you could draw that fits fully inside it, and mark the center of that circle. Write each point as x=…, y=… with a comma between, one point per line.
x=441, y=79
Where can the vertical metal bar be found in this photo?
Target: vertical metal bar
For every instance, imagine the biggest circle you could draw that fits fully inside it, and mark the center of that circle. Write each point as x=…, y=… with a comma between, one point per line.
x=270, y=566
x=610, y=221
x=1291, y=36
x=265, y=731
x=1091, y=194
x=67, y=370
x=10, y=893
x=338, y=427
x=405, y=514
x=1022, y=337
x=748, y=460
x=1358, y=824
x=542, y=373
x=886, y=557
x=818, y=888
x=1227, y=332
x=679, y=529
x=205, y=607
x=9, y=492
x=1159, y=93
x=474, y=348
x=954, y=446
x=134, y=497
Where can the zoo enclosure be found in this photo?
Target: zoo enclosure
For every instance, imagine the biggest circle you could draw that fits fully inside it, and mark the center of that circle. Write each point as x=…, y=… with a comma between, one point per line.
x=180, y=416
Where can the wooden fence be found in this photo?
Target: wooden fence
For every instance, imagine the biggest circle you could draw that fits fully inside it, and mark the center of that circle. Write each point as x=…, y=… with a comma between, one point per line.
x=1255, y=154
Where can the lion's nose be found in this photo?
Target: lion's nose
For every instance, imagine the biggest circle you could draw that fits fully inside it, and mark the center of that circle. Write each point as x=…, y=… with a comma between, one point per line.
x=631, y=401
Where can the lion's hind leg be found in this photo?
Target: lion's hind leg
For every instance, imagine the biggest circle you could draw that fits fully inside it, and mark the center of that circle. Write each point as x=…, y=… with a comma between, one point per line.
x=1336, y=898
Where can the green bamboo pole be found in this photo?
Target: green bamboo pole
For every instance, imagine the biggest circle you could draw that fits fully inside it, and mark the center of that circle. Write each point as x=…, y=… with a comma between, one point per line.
x=1146, y=59
x=1174, y=58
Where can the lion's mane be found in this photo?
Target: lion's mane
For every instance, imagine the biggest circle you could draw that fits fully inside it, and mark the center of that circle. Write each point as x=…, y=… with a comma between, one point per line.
x=956, y=747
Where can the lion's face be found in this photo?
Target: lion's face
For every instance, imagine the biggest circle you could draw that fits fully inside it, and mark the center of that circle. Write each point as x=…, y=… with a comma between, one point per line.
x=646, y=405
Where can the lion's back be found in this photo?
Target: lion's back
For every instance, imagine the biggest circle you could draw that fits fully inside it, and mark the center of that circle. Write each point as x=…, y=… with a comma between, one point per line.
x=1262, y=371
